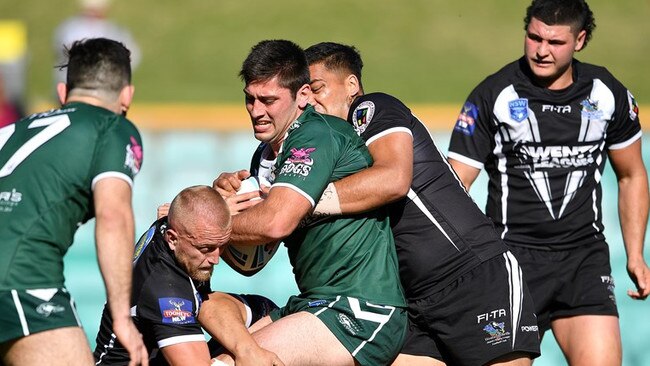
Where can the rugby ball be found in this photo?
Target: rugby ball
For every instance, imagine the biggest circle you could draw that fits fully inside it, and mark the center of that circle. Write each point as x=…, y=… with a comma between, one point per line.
x=249, y=259
x=252, y=184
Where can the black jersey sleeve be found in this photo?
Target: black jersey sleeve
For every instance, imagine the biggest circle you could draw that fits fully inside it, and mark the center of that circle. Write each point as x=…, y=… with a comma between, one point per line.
x=625, y=127
x=375, y=115
x=167, y=311
x=472, y=137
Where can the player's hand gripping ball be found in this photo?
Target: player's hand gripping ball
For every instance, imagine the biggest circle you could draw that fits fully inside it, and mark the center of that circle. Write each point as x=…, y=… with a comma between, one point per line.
x=250, y=259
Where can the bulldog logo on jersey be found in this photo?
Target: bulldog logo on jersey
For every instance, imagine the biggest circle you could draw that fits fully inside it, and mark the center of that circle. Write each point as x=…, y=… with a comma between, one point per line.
x=133, y=156
x=362, y=116
x=518, y=109
x=299, y=163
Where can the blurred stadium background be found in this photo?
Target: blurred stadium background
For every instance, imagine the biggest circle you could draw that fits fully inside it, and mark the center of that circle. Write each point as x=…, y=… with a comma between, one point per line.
x=430, y=53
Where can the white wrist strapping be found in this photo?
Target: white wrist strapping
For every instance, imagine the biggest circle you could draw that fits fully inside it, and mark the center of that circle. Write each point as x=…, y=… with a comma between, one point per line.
x=329, y=202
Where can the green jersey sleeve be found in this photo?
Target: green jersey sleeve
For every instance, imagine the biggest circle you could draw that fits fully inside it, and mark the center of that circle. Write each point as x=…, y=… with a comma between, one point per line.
x=119, y=152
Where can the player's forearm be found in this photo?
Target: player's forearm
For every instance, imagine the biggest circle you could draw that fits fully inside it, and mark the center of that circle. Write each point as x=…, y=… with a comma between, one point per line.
x=372, y=188
x=633, y=204
x=223, y=318
x=114, y=238
x=273, y=219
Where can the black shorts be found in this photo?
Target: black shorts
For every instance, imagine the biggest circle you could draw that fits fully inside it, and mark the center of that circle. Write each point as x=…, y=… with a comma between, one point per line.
x=483, y=315
x=570, y=282
x=257, y=307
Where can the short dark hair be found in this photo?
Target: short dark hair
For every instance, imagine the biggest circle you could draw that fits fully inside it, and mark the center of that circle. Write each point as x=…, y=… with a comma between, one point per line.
x=575, y=13
x=336, y=56
x=281, y=58
x=98, y=64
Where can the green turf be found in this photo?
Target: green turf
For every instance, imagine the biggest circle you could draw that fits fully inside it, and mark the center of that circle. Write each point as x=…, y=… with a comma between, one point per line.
x=420, y=50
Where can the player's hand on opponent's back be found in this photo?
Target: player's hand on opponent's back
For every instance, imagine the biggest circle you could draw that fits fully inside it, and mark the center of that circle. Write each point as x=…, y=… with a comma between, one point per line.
x=131, y=339
x=640, y=275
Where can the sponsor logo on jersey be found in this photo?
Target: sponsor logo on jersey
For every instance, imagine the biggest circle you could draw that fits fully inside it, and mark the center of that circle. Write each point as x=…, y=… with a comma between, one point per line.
x=466, y=122
x=317, y=303
x=348, y=324
x=51, y=112
x=556, y=108
x=175, y=310
x=491, y=315
x=143, y=242
x=634, y=107
x=133, y=156
x=590, y=109
x=48, y=308
x=534, y=157
x=518, y=109
x=497, y=333
x=362, y=116
x=299, y=163
x=9, y=200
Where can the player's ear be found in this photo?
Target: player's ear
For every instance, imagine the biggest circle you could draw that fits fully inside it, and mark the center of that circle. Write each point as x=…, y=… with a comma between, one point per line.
x=353, y=86
x=580, y=40
x=171, y=237
x=303, y=96
x=62, y=92
x=126, y=96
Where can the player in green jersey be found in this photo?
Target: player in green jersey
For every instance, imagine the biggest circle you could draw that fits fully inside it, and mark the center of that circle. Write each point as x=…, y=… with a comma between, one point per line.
x=350, y=309
x=59, y=169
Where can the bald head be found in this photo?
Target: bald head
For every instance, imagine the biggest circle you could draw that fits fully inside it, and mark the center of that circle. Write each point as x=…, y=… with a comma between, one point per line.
x=199, y=206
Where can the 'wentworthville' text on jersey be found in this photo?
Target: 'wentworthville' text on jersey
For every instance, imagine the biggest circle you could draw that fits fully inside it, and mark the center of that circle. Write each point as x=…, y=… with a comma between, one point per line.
x=545, y=150
x=49, y=165
x=351, y=255
x=439, y=231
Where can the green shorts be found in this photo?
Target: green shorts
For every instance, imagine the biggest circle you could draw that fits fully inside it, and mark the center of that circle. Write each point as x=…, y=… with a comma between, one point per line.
x=373, y=334
x=25, y=312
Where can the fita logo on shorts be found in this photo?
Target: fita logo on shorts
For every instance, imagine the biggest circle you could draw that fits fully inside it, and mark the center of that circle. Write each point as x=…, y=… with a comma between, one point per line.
x=362, y=116
x=9, y=200
x=134, y=156
x=348, y=324
x=48, y=308
x=609, y=282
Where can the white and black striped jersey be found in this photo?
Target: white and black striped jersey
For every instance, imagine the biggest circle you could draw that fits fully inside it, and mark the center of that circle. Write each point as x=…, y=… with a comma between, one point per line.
x=439, y=231
x=165, y=302
x=545, y=151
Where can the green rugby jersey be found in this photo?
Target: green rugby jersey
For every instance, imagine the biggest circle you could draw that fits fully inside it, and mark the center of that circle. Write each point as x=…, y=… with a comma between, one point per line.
x=343, y=255
x=49, y=163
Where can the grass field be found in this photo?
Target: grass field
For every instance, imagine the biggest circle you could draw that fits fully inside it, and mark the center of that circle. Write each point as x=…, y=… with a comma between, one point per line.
x=430, y=51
